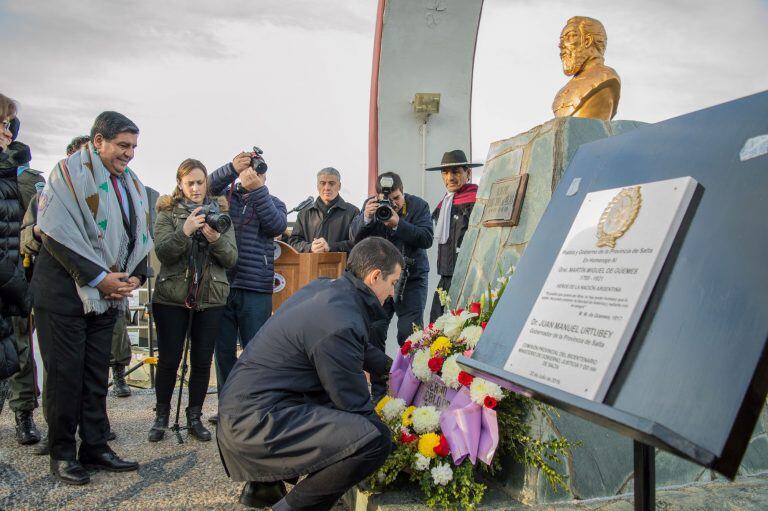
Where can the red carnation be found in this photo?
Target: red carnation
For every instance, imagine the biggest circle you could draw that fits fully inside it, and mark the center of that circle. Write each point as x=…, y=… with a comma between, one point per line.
x=457, y=312
x=442, y=449
x=435, y=364
x=407, y=438
x=406, y=347
x=465, y=378
x=475, y=308
x=490, y=402
x=430, y=326
x=483, y=324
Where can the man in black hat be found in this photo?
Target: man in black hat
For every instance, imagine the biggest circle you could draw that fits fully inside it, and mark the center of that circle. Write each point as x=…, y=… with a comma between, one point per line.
x=451, y=217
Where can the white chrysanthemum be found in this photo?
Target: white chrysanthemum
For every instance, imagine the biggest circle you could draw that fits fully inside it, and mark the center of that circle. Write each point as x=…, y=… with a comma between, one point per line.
x=393, y=409
x=440, y=322
x=471, y=335
x=453, y=324
x=416, y=337
x=426, y=419
x=420, y=366
x=422, y=462
x=481, y=388
x=442, y=474
x=450, y=373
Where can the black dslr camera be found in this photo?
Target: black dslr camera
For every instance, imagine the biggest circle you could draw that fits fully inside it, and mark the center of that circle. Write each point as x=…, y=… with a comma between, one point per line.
x=385, y=209
x=257, y=161
x=218, y=221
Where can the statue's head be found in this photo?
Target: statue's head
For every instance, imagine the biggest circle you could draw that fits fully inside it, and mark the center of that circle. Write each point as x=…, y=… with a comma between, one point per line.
x=581, y=40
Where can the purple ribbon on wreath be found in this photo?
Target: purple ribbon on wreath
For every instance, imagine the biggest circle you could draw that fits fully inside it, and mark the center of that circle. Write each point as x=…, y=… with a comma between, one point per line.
x=471, y=430
x=402, y=382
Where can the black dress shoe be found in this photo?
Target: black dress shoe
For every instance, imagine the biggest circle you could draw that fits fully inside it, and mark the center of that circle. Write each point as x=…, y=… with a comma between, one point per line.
x=262, y=494
x=43, y=449
x=108, y=461
x=69, y=472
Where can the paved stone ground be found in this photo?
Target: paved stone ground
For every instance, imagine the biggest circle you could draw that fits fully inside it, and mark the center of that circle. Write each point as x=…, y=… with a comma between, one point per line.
x=190, y=477
x=171, y=476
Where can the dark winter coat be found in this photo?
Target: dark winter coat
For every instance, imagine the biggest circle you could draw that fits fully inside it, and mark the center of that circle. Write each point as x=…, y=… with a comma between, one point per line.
x=14, y=297
x=173, y=249
x=297, y=399
x=313, y=223
x=257, y=218
x=448, y=252
x=412, y=237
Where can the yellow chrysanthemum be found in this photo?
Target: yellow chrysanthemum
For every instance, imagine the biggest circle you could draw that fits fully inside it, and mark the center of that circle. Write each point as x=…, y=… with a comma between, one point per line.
x=408, y=416
x=442, y=344
x=380, y=405
x=427, y=444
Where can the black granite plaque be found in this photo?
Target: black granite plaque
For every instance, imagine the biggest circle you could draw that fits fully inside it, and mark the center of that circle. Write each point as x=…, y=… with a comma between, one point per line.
x=693, y=379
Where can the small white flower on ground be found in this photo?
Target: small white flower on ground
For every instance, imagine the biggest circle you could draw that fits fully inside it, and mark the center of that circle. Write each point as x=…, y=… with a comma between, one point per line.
x=420, y=365
x=451, y=372
x=471, y=335
x=422, y=462
x=481, y=388
x=426, y=419
x=393, y=409
x=442, y=474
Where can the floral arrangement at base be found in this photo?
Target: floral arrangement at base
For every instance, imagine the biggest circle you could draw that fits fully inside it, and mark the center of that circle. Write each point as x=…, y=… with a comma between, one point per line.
x=444, y=420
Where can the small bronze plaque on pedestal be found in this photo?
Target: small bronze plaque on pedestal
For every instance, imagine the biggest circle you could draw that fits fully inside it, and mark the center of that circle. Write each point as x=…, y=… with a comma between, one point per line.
x=506, y=202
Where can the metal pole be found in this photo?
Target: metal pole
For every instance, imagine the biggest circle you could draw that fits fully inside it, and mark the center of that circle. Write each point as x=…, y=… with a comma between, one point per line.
x=645, y=477
x=150, y=325
x=424, y=156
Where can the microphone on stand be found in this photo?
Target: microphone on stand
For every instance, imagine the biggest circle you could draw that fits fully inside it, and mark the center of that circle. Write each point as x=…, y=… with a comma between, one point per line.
x=303, y=204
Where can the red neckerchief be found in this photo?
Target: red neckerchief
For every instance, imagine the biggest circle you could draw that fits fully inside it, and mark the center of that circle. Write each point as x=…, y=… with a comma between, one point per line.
x=467, y=194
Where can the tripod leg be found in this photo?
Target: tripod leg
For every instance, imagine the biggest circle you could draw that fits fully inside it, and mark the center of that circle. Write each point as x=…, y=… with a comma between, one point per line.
x=187, y=340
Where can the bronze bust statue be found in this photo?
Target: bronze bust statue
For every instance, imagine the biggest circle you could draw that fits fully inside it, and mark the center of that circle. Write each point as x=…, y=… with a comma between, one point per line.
x=595, y=88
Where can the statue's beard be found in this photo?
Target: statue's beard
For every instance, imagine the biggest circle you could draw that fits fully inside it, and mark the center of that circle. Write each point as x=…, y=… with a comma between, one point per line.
x=573, y=61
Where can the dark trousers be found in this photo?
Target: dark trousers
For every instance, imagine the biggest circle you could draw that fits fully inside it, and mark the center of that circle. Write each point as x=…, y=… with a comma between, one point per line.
x=410, y=311
x=320, y=490
x=244, y=314
x=75, y=352
x=437, y=309
x=23, y=386
x=171, y=321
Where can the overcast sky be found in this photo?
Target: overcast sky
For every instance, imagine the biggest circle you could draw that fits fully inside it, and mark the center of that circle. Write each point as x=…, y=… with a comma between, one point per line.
x=207, y=79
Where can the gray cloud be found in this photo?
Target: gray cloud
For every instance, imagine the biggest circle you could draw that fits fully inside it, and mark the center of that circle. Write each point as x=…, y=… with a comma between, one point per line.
x=104, y=30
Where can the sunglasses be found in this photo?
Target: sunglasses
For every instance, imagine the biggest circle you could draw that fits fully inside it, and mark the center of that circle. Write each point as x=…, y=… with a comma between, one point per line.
x=6, y=125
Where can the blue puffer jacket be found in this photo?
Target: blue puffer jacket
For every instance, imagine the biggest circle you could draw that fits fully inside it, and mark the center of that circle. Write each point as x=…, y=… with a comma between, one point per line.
x=257, y=217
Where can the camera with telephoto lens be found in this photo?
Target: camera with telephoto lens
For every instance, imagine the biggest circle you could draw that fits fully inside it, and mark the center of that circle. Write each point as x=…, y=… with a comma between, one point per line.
x=257, y=161
x=218, y=221
x=386, y=207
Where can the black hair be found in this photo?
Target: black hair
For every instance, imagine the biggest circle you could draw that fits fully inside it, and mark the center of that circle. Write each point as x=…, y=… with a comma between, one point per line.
x=397, y=183
x=111, y=124
x=374, y=253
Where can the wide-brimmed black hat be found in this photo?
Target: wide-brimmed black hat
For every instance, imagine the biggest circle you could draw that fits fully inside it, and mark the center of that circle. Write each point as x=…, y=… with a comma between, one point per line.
x=455, y=158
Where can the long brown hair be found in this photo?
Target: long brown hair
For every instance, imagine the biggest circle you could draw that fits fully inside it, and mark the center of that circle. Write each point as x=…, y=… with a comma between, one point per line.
x=185, y=168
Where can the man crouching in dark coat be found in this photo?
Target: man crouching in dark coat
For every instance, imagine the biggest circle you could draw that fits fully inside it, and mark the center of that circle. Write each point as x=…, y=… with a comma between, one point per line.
x=297, y=401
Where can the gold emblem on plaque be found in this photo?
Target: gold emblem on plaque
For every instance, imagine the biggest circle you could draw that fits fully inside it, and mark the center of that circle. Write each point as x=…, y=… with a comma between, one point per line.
x=618, y=216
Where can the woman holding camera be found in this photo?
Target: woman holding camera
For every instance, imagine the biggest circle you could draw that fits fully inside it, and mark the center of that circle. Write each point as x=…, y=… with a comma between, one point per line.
x=188, y=246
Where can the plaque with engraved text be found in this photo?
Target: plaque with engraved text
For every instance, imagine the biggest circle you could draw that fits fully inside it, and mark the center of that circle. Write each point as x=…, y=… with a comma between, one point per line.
x=589, y=306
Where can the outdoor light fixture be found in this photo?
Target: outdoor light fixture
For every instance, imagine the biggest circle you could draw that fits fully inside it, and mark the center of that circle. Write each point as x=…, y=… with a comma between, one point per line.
x=426, y=103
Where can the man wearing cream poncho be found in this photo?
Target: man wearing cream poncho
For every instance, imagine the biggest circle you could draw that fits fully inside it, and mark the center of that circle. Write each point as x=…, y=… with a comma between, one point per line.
x=94, y=217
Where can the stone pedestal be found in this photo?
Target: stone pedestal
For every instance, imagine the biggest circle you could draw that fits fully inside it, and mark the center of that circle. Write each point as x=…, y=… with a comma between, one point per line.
x=543, y=153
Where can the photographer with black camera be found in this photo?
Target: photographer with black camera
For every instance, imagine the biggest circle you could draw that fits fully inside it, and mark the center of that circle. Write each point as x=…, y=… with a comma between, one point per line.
x=404, y=220
x=257, y=218
x=195, y=246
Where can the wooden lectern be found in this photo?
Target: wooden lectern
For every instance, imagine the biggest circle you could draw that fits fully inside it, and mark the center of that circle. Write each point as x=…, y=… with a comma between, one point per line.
x=294, y=270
